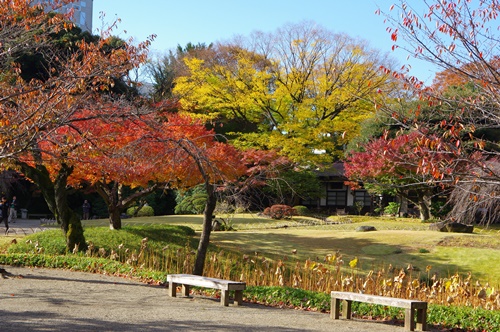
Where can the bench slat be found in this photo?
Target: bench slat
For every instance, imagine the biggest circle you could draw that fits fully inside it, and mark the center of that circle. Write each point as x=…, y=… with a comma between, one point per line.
x=383, y=300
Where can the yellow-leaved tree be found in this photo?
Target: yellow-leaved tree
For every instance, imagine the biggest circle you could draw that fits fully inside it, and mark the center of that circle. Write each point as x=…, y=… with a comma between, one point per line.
x=301, y=90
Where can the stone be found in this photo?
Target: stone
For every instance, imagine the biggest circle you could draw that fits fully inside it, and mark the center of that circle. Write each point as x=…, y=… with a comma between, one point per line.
x=366, y=229
x=437, y=226
x=452, y=227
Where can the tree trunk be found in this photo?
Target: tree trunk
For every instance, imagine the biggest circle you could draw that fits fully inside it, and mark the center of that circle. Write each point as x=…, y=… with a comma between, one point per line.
x=55, y=195
x=115, y=219
x=207, y=229
x=112, y=194
x=424, y=203
x=70, y=222
x=425, y=213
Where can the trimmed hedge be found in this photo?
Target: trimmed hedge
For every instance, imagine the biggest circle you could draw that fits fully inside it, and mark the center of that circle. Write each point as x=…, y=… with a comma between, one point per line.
x=145, y=211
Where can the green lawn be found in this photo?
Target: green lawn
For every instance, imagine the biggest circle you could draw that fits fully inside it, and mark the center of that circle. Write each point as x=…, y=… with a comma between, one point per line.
x=397, y=243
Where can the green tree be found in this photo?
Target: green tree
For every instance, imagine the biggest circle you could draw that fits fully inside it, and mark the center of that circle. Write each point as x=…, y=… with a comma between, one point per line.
x=191, y=201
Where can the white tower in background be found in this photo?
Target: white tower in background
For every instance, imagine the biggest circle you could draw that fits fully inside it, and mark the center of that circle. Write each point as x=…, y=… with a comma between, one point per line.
x=83, y=14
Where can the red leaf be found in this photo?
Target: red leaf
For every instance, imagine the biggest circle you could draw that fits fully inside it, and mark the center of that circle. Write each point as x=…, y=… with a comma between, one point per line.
x=394, y=35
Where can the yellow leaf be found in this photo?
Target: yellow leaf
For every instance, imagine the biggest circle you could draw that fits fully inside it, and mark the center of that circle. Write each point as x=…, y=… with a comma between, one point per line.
x=447, y=284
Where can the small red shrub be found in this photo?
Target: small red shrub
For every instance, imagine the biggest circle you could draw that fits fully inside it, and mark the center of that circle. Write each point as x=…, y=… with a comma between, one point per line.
x=280, y=211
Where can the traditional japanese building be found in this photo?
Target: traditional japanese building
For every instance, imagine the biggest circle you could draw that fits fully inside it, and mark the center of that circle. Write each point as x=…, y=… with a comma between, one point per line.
x=337, y=196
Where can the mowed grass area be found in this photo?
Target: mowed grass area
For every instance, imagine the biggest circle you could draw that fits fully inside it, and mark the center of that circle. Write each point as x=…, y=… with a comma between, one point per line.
x=397, y=243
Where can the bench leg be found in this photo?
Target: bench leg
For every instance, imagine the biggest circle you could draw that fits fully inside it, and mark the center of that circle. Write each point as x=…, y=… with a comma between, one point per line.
x=346, y=309
x=185, y=290
x=224, y=297
x=335, y=309
x=422, y=319
x=410, y=319
x=172, y=289
x=238, y=297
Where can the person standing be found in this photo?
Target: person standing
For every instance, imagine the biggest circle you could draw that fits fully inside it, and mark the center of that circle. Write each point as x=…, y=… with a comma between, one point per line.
x=5, y=212
x=13, y=210
x=86, y=210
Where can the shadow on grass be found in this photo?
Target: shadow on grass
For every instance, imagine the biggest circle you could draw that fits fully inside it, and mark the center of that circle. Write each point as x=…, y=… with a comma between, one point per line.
x=371, y=254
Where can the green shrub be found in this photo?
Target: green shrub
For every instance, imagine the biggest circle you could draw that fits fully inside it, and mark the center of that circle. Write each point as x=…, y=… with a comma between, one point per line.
x=466, y=318
x=224, y=207
x=301, y=210
x=225, y=224
x=358, y=206
x=145, y=211
x=240, y=209
x=289, y=297
x=191, y=201
x=392, y=209
x=439, y=209
x=193, y=204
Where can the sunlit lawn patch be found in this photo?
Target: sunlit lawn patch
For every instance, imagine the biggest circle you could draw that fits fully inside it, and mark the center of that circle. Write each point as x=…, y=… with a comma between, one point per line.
x=398, y=248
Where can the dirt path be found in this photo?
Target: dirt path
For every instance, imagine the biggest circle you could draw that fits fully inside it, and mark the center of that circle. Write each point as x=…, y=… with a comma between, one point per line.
x=34, y=299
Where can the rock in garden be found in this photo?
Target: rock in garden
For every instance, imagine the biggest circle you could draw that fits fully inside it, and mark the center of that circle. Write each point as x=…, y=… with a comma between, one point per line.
x=452, y=227
x=437, y=226
x=365, y=229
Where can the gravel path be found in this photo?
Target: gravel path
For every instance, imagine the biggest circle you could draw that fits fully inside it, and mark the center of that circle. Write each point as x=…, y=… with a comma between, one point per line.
x=33, y=299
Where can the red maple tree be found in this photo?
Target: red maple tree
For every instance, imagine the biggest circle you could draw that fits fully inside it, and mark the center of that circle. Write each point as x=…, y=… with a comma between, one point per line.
x=461, y=39
x=397, y=166
x=38, y=98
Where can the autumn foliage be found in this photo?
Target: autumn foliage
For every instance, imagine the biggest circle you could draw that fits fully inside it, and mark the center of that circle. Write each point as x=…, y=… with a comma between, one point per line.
x=294, y=91
x=280, y=211
x=68, y=124
x=398, y=165
x=461, y=39
x=394, y=161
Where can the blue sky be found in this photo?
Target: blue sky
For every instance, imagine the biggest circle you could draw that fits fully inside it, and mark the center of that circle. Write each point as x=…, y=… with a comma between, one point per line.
x=205, y=21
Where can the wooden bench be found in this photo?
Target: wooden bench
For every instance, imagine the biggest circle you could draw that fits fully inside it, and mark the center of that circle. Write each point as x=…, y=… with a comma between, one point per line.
x=225, y=286
x=411, y=307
